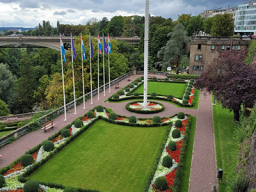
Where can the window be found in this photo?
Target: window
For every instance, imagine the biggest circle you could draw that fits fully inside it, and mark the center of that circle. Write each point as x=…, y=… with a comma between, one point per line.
x=199, y=46
x=200, y=57
x=233, y=47
x=197, y=67
x=201, y=68
x=223, y=47
x=213, y=47
x=228, y=47
x=238, y=47
x=196, y=57
x=194, y=68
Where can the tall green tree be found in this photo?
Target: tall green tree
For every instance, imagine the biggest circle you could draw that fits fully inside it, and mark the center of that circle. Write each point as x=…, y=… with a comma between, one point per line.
x=208, y=25
x=184, y=20
x=222, y=25
x=116, y=26
x=4, y=111
x=195, y=23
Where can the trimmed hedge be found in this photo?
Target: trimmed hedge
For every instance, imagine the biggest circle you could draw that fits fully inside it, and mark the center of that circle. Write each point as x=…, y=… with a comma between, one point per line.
x=166, y=79
x=136, y=94
x=99, y=108
x=132, y=119
x=185, y=102
x=65, y=133
x=90, y=114
x=192, y=77
x=153, y=94
x=112, y=116
x=169, y=96
x=131, y=85
x=78, y=123
x=161, y=183
x=186, y=97
x=70, y=189
x=48, y=146
x=167, y=161
x=26, y=160
x=116, y=96
x=154, y=79
x=156, y=119
x=181, y=115
x=31, y=186
x=172, y=146
x=121, y=92
x=126, y=90
x=142, y=77
x=139, y=80
x=2, y=181
x=135, y=83
x=143, y=112
x=176, y=133
x=178, y=123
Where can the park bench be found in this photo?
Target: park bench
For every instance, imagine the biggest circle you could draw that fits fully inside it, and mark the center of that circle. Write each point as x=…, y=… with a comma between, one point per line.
x=129, y=79
x=48, y=125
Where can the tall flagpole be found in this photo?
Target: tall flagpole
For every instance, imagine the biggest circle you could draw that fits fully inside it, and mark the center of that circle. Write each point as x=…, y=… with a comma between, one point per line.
x=74, y=90
x=82, y=71
x=90, y=65
x=65, y=119
x=103, y=64
x=108, y=65
x=146, y=54
x=98, y=71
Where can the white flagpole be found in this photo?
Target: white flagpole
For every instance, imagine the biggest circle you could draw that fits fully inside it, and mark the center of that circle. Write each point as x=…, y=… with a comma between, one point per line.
x=103, y=63
x=74, y=90
x=65, y=113
x=98, y=71
x=146, y=54
x=82, y=71
x=108, y=66
x=90, y=65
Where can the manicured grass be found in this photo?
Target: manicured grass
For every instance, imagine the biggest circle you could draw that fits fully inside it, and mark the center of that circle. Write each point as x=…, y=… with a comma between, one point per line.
x=175, y=89
x=106, y=157
x=184, y=184
x=226, y=147
x=5, y=133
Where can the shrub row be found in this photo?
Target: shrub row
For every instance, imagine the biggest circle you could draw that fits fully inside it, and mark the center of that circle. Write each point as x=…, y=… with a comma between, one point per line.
x=184, y=76
x=143, y=112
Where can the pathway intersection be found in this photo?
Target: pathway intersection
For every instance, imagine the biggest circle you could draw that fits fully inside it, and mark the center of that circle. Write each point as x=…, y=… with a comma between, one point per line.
x=203, y=169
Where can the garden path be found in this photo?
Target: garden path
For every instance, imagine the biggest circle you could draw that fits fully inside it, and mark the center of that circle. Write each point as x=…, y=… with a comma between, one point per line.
x=203, y=168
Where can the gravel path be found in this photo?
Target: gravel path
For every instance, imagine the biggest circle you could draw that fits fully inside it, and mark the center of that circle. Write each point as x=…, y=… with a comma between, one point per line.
x=203, y=169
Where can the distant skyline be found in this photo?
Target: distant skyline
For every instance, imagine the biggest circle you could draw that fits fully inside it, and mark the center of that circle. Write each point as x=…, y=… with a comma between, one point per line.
x=29, y=13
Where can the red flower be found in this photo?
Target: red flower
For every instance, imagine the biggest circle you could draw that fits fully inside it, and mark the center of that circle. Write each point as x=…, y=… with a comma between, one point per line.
x=190, y=99
x=163, y=120
x=119, y=118
x=151, y=104
x=59, y=137
x=135, y=104
x=108, y=115
x=94, y=113
x=192, y=91
x=85, y=118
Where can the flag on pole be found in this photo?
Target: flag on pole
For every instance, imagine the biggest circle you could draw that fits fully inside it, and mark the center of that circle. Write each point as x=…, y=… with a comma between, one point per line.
x=91, y=46
x=62, y=50
x=99, y=45
x=82, y=43
x=109, y=45
x=105, y=46
x=73, y=48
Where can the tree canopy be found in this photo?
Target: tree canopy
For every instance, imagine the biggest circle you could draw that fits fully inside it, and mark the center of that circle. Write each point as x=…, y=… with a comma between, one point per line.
x=222, y=25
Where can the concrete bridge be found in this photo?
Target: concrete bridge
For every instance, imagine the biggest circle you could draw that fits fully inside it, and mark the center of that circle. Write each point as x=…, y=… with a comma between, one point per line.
x=51, y=42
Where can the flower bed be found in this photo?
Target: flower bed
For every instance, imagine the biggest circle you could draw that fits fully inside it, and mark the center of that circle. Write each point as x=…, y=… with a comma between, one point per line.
x=138, y=107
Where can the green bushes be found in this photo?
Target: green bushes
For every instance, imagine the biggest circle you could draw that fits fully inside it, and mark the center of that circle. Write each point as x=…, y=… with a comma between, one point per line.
x=161, y=183
x=179, y=79
x=70, y=189
x=2, y=181
x=185, y=102
x=172, y=146
x=167, y=161
x=135, y=83
x=139, y=80
x=142, y=77
x=181, y=115
x=154, y=79
x=90, y=114
x=156, y=119
x=190, y=86
x=112, y=116
x=166, y=79
x=126, y=90
x=116, y=96
x=31, y=186
x=132, y=119
x=78, y=123
x=178, y=123
x=153, y=94
x=136, y=94
x=65, y=133
x=48, y=146
x=186, y=97
x=176, y=133
x=121, y=92
x=188, y=92
x=131, y=85
x=169, y=96
x=99, y=108
x=26, y=160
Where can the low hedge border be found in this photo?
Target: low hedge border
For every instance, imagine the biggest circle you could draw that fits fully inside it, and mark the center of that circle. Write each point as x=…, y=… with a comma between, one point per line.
x=144, y=112
x=184, y=76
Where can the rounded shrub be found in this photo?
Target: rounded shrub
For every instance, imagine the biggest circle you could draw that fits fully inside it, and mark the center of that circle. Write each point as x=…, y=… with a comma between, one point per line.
x=121, y=92
x=166, y=79
x=26, y=160
x=156, y=119
x=178, y=123
x=99, y=108
x=179, y=79
x=192, y=80
x=48, y=146
x=78, y=123
x=169, y=96
x=116, y=96
x=188, y=92
x=132, y=119
x=112, y=116
x=181, y=115
x=176, y=133
x=127, y=89
x=167, y=161
x=153, y=94
x=65, y=133
x=136, y=94
x=142, y=77
x=172, y=146
x=161, y=183
x=185, y=102
x=154, y=79
x=135, y=83
x=190, y=86
x=186, y=97
x=90, y=114
x=189, y=89
x=131, y=85
x=139, y=80
x=70, y=189
x=2, y=181
x=31, y=186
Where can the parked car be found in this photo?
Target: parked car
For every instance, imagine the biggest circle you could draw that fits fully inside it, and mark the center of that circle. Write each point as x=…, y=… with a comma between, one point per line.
x=169, y=69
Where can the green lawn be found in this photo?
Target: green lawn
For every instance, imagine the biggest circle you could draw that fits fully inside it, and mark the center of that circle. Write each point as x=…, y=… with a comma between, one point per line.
x=106, y=157
x=5, y=133
x=175, y=89
x=226, y=147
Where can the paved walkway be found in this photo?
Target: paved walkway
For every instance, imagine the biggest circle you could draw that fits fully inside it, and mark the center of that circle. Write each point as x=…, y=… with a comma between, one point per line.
x=203, y=169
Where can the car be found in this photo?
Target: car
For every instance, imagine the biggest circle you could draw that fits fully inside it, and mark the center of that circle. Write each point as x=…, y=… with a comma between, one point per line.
x=169, y=68
x=245, y=36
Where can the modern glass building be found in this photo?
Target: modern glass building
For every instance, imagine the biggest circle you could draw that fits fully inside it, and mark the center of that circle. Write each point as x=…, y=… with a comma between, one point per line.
x=245, y=20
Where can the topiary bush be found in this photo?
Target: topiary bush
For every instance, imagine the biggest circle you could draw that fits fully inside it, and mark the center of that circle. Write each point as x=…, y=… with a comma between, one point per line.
x=26, y=160
x=179, y=79
x=127, y=89
x=172, y=146
x=132, y=119
x=112, y=116
x=166, y=79
x=161, y=183
x=178, y=123
x=31, y=186
x=154, y=79
x=142, y=77
x=48, y=146
x=2, y=181
x=169, y=96
x=153, y=94
x=136, y=94
x=156, y=119
x=121, y=92
x=99, y=108
x=78, y=123
x=70, y=189
x=181, y=115
x=188, y=92
x=135, y=83
x=167, y=161
x=116, y=96
x=190, y=86
x=90, y=114
x=65, y=133
x=131, y=85
x=186, y=97
x=185, y=102
x=139, y=80
x=176, y=133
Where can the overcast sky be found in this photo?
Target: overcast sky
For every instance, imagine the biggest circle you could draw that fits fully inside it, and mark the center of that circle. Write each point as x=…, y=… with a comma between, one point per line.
x=28, y=13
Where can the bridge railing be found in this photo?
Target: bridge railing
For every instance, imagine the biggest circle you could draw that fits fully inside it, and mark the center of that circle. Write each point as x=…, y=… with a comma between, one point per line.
x=48, y=117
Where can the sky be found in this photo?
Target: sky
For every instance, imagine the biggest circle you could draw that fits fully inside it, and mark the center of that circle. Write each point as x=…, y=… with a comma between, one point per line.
x=29, y=13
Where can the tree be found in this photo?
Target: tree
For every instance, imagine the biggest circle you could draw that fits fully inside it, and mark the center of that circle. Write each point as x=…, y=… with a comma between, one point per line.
x=171, y=53
x=116, y=26
x=103, y=25
x=195, y=24
x=184, y=20
x=222, y=25
x=232, y=81
x=4, y=111
x=208, y=25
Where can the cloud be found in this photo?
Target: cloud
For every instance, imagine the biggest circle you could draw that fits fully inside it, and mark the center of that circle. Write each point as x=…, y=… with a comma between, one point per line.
x=71, y=11
x=29, y=4
x=97, y=1
x=59, y=13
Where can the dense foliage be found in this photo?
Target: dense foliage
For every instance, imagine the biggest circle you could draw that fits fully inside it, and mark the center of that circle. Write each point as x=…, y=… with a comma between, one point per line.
x=161, y=183
x=48, y=146
x=78, y=123
x=26, y=160
x=31, y=186
x=65, y=133
x=2, y=181
x=167, y=161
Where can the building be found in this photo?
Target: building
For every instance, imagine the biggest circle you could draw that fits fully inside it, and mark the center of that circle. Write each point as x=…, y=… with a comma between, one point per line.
x=203, y=50
x=245, y=21
x=210, y=13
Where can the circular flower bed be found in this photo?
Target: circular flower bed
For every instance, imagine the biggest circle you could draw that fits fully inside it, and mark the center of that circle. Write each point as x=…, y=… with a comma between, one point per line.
x=138, y=107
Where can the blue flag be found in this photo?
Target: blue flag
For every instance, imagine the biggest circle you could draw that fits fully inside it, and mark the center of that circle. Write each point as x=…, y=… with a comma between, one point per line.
x=91, y=47
x=109, y=45
x=82, y=44
x=73, y=48
x=62, y=50
x=105, y=46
